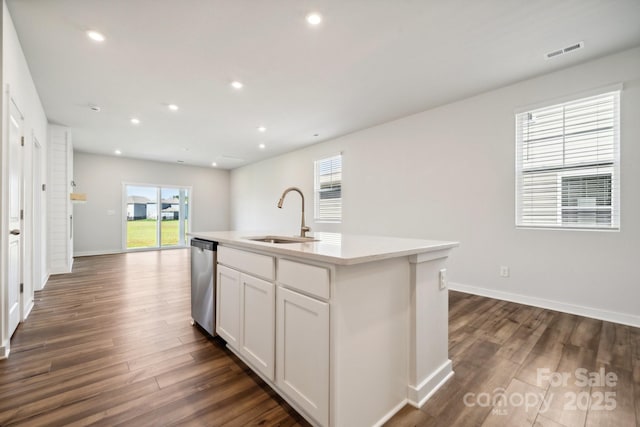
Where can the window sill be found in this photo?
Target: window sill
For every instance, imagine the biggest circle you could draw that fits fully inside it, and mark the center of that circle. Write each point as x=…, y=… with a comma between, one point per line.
x=549, y=228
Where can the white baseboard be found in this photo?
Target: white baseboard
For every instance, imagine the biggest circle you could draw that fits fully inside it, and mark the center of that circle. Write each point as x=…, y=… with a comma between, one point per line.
x=28, y=311
x=94, y=253
x=54, y=269
x=4, y=350
x=123, y=251
x=45, y=280
x=595, y=313
x=391, y=413
x=418, y=396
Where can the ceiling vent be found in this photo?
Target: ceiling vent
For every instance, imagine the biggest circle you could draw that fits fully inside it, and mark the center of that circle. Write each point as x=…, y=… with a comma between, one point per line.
x=225, y=158
x=565, y=50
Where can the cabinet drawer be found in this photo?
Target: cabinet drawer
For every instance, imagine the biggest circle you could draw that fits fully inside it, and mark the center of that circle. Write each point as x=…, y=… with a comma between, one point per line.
x=307, y=278
x=249, y=262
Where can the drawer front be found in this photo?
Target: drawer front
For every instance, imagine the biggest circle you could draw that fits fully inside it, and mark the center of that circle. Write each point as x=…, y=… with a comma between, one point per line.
x=309, y=279
x=249, y=262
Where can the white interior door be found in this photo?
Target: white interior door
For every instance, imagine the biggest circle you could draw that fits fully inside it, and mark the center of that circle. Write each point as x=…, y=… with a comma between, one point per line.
x=15, y=220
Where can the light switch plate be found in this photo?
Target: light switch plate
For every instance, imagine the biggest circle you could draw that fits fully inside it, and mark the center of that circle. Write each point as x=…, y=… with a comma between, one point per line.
x=443, y=278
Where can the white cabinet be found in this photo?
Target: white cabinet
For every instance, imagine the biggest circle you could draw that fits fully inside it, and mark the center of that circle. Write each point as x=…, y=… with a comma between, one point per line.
x=245, y=317
x=302, y=350
x=60, y=212
x=282, y=331
x=257, y=320
x=228, y=305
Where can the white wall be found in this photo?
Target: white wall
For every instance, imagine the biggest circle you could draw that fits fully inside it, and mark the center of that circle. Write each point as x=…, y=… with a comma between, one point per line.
x=448, y=173
x=101, y=178
x=16, y=77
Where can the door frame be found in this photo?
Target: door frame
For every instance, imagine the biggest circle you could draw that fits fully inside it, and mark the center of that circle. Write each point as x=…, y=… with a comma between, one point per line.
x=27, y=260
x=38, y=216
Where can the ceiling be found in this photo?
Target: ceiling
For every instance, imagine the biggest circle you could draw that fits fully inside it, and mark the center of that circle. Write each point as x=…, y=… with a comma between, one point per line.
x=368, y=62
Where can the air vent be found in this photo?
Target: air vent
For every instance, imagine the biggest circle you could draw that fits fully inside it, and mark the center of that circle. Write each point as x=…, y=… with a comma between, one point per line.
x=565, y=50
x=230, y=159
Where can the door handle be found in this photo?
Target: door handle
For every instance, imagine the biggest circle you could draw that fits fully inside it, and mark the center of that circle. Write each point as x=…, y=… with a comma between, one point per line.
x=15, y=232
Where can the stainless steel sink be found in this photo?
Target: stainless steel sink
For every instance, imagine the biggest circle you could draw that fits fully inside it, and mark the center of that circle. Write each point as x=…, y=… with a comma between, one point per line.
x=281, y=239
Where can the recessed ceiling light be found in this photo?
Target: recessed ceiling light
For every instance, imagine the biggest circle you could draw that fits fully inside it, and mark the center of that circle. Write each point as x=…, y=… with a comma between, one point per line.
x=95, y=108
x=214, y=164
x=172, y=107
x=316, y=134
x=314, y=18
x=118, y=152
x=180, y=161
x=95, y=36
x=236, y=84
x=135, y=121
x=262, y=129
x=262, y=146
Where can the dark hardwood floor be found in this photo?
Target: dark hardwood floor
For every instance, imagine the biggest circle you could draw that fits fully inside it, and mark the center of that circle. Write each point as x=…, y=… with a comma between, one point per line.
x=508, y=359
x=111, y=344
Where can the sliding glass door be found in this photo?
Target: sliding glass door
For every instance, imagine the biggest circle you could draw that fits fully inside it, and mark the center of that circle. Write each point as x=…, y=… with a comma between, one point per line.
x=173, y=222
x=157, y=216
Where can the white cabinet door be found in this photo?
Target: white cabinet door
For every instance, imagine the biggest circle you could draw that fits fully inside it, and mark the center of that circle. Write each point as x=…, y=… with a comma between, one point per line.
x=228, y=305
x=257, y=335
x=302, y=368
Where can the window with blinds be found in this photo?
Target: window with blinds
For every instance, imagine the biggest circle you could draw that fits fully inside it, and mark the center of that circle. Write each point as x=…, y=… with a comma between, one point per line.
x=328, y=189
x=567, y=164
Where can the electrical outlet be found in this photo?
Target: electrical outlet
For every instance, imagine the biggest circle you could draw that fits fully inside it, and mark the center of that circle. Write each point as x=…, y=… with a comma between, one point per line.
x=443, y=278
x=504, y=271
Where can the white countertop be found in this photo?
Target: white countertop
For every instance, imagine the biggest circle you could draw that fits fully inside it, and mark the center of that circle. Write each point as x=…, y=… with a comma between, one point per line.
x=335, y=248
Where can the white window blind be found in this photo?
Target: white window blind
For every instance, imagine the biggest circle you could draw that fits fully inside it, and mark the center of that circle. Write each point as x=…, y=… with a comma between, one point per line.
x=567, y=164
x=328, y=189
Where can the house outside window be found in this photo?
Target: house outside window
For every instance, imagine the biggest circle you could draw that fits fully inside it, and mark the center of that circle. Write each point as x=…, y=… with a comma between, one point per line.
x=567, y=164
x=328, y=189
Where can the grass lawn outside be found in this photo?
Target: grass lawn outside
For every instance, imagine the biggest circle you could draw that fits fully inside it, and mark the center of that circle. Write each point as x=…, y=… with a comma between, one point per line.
x=142, y=233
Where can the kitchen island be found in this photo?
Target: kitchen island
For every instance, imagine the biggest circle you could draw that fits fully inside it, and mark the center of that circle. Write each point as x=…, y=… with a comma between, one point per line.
x=347, y=328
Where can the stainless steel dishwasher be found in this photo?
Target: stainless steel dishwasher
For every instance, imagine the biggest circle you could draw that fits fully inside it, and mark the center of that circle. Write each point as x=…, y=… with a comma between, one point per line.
x=203, y=279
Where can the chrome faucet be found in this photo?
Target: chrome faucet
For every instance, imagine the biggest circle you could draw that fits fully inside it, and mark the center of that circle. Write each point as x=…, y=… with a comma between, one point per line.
x=303, y=227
